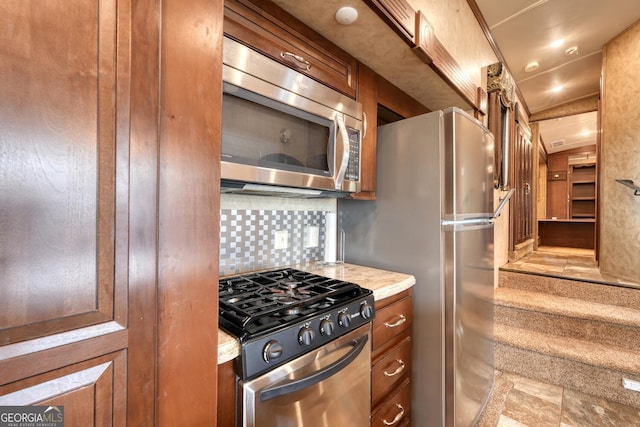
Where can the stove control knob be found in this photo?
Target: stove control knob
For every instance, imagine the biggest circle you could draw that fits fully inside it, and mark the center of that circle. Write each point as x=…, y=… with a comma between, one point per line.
x=366, y=310
x=344, y=320
x=326, y=327
x=272, y=351
x=306, y=336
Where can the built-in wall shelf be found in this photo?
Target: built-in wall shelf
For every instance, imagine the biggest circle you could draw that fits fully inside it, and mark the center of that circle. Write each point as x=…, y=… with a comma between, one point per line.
x=629, y=183
x=582, y=190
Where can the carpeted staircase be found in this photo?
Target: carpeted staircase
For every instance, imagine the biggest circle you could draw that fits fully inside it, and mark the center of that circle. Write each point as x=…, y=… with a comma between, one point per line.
x=580, y=335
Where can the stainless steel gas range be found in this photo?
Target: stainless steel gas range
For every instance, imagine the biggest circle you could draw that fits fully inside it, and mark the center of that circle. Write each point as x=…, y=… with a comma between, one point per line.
x=305, y=348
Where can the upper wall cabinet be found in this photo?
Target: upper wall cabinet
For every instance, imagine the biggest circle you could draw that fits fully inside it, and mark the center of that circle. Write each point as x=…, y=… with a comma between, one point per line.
x=270, y=30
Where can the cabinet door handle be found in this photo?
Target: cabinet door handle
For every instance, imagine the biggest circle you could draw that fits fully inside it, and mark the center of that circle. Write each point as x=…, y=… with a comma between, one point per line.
x=397, y=371
x=397, y=418
x=300, y=61
x=395, y=324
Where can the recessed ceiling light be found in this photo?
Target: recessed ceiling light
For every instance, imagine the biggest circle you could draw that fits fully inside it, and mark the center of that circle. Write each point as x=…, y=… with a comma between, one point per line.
x=557, y=43
x=531, y=66
x=346, y=15
x=573, y=50
x=556, y=89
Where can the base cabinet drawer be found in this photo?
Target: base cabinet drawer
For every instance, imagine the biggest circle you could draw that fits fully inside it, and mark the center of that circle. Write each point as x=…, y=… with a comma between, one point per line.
x=389, y=371
x=392, y=320
x=391, y=361
x=396, y=410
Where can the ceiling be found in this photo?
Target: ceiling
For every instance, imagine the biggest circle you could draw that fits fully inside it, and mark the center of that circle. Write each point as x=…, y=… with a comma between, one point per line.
x=569, y=132
x=524, y=31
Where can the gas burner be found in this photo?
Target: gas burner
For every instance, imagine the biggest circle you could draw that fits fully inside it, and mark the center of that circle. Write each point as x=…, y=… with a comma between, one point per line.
x=290, y=282
x=276, y=305
x=291, y=311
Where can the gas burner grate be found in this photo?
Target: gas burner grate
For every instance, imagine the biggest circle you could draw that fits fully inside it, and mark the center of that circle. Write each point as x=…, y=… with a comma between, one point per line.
x=259, y=302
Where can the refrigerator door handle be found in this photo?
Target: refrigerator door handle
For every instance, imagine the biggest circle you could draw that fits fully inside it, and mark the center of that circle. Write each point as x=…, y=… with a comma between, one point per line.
x=486, y=220
x=503, y=203
x=451, y=224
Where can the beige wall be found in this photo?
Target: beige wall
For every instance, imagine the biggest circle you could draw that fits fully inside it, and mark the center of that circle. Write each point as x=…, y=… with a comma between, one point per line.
x=620, y=209
x=455, y=25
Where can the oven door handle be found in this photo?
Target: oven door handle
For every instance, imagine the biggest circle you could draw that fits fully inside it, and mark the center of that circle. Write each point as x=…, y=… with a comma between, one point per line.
x=293, y=386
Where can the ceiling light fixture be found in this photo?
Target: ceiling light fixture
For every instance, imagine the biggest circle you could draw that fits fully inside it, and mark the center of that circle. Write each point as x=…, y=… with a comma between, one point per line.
x=346, y=15
x=531, y=66
x=557, y=43
x=556, y=89
x=573, y=50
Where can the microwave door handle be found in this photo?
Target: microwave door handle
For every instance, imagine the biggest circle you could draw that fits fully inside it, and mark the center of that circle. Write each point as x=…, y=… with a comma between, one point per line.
x=342, y=150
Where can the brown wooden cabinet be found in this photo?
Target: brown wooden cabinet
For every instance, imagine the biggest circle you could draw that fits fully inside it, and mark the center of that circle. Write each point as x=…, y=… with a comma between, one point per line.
x=391, y=361
x=226, y=395
x=381, y=101
x=273, y=32
x=563, y=166
x=101, y=273
x=521, y=205
x=65, y=144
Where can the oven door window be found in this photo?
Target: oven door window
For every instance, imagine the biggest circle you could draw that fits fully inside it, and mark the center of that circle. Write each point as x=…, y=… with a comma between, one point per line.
x=259, y=131
x=325, y=388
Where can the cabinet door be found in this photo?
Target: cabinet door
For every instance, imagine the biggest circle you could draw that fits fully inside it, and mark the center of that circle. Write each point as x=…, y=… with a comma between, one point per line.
x=87, y=311
x=267, y=28
x=522, y=179
x=64, y=115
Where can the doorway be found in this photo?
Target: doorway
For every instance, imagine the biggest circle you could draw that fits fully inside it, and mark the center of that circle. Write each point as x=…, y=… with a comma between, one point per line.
x=566, y=199
x=567, y=212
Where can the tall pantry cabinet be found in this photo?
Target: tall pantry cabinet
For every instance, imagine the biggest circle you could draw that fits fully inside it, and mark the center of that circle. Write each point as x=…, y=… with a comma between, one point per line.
x=108, y=215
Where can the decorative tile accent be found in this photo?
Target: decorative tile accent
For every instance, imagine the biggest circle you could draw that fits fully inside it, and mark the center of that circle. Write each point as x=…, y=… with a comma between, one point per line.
x=247, y=239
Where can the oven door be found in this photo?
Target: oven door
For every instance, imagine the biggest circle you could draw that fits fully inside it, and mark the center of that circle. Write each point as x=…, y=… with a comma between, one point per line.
x=330, y=386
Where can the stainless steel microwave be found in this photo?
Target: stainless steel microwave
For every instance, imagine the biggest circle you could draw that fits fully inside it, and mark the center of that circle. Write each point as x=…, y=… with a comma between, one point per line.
x=285, y=130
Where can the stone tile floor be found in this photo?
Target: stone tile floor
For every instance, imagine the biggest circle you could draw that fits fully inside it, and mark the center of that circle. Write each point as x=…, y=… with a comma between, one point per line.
x=537, y=404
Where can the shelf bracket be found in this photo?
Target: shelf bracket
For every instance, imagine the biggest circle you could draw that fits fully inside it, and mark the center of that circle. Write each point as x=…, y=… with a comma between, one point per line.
x=629, y=183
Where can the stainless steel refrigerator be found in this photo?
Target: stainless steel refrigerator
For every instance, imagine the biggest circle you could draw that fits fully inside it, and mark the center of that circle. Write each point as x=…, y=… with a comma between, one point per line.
x=433, y=218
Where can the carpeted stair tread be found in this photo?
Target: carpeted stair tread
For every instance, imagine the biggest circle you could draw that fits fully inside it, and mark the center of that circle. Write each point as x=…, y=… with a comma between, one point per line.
x=571, y=288
x=571, y=307
x=569, y=348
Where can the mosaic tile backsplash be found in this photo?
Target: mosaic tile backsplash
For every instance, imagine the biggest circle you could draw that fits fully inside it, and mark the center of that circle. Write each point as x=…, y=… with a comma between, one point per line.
x=247, y=238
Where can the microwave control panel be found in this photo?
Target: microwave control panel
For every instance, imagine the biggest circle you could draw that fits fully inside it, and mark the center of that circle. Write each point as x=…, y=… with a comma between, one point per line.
x=353, y=167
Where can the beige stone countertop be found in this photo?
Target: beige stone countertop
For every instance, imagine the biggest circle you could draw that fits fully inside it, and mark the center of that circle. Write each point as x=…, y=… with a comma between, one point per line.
x=383, y=283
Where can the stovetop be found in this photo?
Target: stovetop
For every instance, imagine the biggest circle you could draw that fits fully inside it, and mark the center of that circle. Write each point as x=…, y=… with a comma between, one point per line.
x=296, y=310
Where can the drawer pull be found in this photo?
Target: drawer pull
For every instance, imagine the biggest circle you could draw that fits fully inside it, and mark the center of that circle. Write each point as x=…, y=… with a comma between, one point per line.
x=397, y=418
x=397, y=371
x=398, y=323
x=300, y=61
